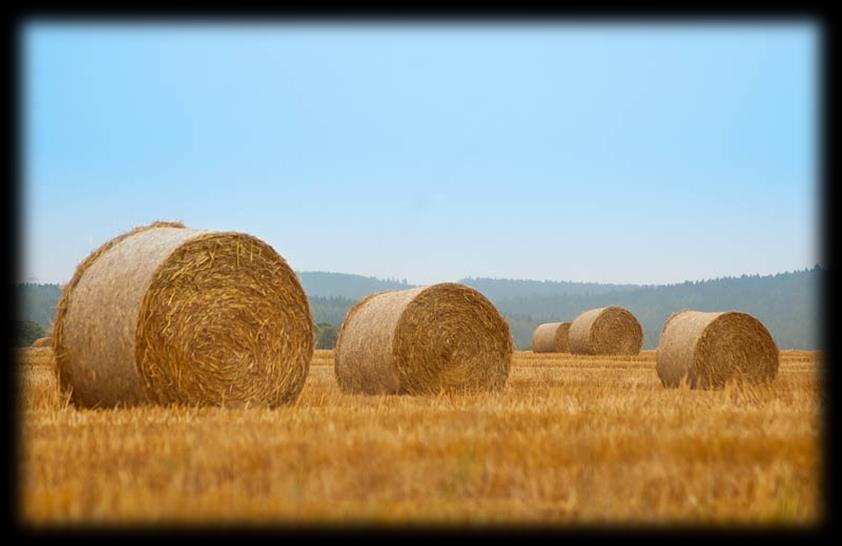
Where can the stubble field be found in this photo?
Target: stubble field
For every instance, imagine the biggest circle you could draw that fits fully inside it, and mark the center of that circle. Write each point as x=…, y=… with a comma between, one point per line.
x=570, y=440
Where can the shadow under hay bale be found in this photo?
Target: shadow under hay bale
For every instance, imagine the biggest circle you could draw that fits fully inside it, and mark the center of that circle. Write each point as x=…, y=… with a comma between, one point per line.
x=171, y=315
x=551, y=337
x=440, y=338
x=708, y=349
x=608, y=330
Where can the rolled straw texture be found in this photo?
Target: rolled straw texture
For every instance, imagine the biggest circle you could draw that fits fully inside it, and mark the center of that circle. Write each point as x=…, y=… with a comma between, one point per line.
x=708, y=349
x=551, y=337
x=170, y=315
x=608, y=330
x=439, y=338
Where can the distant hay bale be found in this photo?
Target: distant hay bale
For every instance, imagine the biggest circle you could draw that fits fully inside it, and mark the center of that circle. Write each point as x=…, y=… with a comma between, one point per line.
x=608, y=330
x=708, y=349
x=551, y=337
x=170, y=315
x=45, y=341
x=439, y=338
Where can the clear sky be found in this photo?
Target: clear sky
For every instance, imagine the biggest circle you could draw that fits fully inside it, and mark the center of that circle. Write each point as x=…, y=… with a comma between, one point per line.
x=604, y=153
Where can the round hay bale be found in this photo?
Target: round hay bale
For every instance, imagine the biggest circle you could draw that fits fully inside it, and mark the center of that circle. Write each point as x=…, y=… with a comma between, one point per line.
x=708, y=349
x=551, y=337
x=45, y=341
x=608, y=330
x=440, y=338
x=171, y=315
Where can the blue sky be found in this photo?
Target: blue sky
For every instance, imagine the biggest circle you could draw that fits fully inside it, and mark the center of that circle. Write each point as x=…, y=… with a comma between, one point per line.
x=603, y=153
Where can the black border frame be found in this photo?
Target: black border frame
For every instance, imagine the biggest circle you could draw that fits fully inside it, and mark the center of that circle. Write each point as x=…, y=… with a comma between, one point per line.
x=575, y=13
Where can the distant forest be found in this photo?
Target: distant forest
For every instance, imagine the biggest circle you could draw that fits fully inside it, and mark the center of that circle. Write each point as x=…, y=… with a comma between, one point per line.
x=788, y=303
x=342, y=285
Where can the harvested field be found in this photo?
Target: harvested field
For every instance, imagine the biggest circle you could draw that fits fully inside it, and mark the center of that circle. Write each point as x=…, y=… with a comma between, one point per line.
x=570, y=439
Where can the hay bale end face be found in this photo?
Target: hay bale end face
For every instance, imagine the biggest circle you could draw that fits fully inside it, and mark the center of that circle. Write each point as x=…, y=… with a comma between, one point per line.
x=605, y=331
x=440, y=338
x=708, y=349
x=551, y=337
x=171, y=315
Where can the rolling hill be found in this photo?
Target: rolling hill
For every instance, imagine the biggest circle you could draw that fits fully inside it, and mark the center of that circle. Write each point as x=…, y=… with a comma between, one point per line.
x=788, y=303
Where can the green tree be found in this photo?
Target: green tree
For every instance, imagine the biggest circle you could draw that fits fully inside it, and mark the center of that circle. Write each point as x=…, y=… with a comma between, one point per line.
x=27, y=331
x=326, y=335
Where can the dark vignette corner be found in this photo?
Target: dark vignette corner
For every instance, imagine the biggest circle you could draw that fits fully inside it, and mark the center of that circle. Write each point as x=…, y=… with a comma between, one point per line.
x=826, y=196
x=11, y=201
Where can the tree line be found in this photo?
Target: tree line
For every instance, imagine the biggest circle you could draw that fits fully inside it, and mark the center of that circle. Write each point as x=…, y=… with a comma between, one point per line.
x=788, y=303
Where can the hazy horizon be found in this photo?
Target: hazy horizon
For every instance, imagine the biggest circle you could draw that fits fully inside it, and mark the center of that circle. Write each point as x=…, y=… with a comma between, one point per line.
x=608, y=153
x=35, y=280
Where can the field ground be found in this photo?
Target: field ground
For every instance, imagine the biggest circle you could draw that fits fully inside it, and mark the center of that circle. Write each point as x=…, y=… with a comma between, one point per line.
x=570, y=440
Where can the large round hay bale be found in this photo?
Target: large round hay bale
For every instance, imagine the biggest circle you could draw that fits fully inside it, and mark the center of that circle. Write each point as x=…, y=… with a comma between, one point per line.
x=551, y=337
x=45, y=341
x=440, y=338
x=171, y=315
x=708, y=349
x=608, y=330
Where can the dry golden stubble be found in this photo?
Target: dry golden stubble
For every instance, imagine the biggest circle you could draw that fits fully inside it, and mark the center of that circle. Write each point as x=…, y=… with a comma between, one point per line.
x=707, y=350
x=441, y=338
